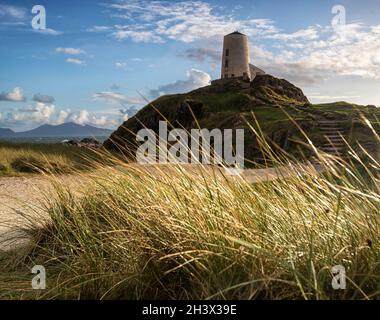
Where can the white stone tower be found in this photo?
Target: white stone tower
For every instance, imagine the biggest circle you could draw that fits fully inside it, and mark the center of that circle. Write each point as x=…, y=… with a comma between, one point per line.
x=235, y=61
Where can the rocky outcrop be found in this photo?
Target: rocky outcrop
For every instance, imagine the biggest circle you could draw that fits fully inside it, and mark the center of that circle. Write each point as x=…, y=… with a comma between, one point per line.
x=273, y=90
x=85, y=142
x=264, y=89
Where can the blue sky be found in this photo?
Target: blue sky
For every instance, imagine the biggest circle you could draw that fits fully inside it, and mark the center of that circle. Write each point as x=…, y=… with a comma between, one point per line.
x=97, y=59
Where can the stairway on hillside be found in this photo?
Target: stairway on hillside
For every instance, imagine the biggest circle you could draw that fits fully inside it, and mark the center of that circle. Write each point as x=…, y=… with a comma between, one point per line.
x=333, y=133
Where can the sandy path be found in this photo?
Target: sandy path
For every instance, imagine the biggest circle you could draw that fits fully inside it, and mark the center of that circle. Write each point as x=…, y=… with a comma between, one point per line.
x=26, y=195
x=23, y=198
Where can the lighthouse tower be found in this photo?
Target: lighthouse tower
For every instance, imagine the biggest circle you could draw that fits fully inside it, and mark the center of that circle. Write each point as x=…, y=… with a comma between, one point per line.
x=235, y=61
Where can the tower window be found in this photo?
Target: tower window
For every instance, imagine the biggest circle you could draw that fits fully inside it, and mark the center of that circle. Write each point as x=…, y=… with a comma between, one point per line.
x=227, y=52
x=226, y=64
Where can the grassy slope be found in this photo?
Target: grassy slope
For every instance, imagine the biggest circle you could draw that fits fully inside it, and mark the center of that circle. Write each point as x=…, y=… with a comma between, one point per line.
x=272, y=118
x=235, y=107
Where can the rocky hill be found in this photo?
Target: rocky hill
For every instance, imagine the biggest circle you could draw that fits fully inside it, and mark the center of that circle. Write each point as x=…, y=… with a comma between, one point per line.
x=267, y=102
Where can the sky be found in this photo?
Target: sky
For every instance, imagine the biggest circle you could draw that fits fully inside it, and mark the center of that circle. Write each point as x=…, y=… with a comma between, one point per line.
x=98, y=62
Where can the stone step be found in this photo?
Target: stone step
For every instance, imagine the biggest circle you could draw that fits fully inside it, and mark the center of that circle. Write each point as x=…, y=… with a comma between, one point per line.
x=330, y=127
x=331, y=132
x=334, y=136
x=330, y=147
x=337, y=140
x=333, y=145
x=333, y=142
x=332, y=150
x=326, y=149
x=330, y=121
x=336, y=130
x=327, y=124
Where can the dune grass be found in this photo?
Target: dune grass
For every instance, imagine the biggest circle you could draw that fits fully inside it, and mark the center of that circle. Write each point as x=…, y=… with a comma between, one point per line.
x=23, y=158
x=174, y=233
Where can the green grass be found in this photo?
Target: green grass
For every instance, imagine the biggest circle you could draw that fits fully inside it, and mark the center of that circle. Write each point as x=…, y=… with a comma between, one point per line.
x=350, y=110
x=221, y=102
x=172, y=233
x=22, y=158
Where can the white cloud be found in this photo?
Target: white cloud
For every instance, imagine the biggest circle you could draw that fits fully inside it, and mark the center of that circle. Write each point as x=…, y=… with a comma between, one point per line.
x=99, y=29
x=124, y=114
x=127, y=113
x=118, y=98
x=202, y=54
x=76, y=61
x=137, y=36
x=376, y=29
x=81, y=118
x=16, y=95
x=186, y=21
x=43, y=98
x=12, y=11
x=85, y=117
x=311, y=33
x=49, y=32
x=39, y=113
x=195, y=79
x=350, y=50
x=12, y=23
x=72, y=51
x=102, y=121
x=62, y=117
x=121, y=65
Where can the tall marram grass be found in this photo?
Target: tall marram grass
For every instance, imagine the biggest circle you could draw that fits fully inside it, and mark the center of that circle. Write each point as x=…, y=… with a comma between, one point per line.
x=18, y=158
x=178, y=232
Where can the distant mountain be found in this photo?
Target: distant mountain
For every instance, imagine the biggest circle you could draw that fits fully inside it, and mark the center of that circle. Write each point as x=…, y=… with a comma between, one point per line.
x=69, y=129
x=6, y=133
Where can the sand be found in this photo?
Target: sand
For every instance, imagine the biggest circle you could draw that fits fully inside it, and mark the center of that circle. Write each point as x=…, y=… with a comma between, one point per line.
x=21, y=199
